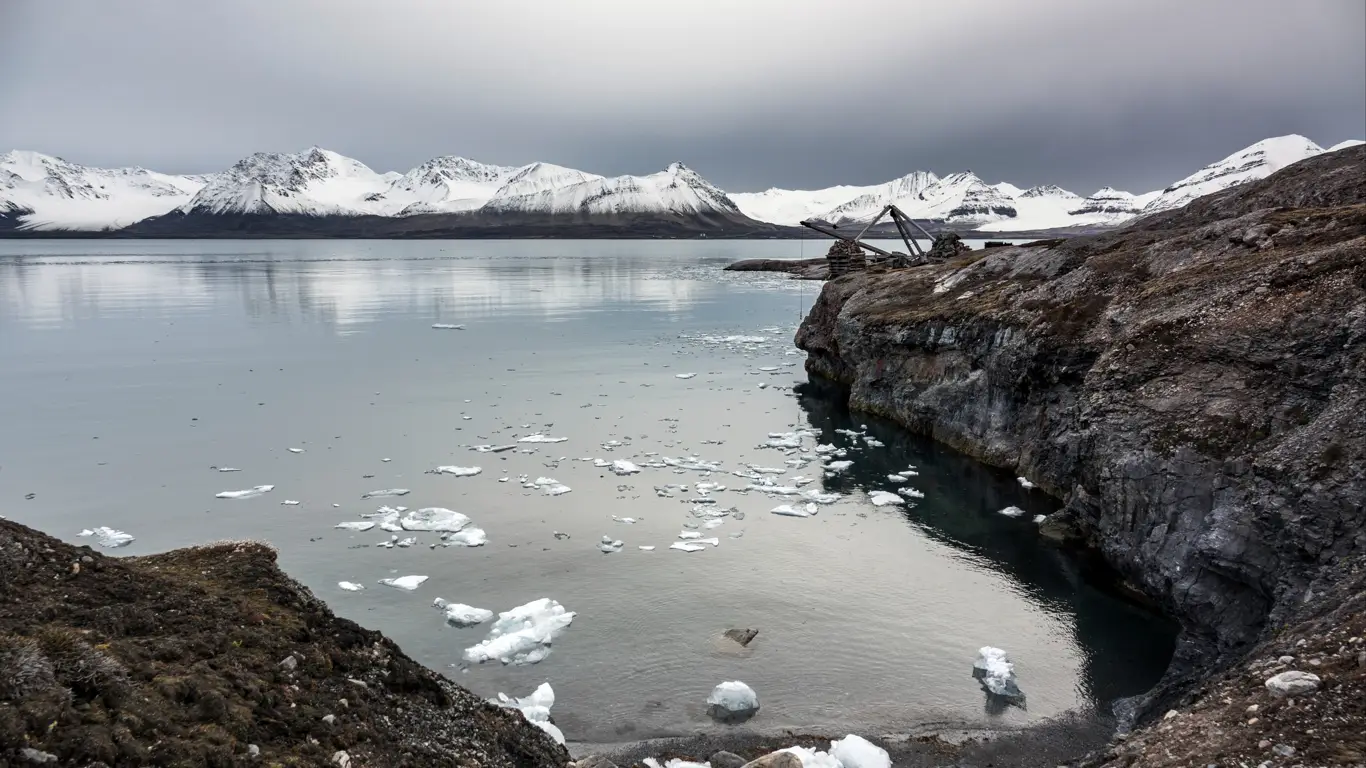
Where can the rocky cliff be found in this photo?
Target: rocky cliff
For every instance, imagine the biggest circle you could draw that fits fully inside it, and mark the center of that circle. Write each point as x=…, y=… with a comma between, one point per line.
x=213, y=656
x=1192, y=388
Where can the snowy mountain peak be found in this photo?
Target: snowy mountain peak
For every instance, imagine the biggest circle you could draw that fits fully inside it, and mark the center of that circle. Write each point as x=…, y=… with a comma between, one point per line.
x=315, y=182
x=1249, y=164
x=1047, y=190
x=48, y=192
x=1345, y=145
x=676, y=190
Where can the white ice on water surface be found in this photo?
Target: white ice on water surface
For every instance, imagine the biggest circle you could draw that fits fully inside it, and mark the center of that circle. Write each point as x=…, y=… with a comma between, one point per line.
x=448, y=327
x=623, y=468
x=838, y=466
x=1039, y=519
x=997, y=674
x=646, y=548
x=249, y=493
x=361, y=525
x=404, y=582
x=296, y=450
x=434, y=519
x=732, y=701
x=688, y=546
x=820, y=497
x=684, y=375
x=289, y=503
x=628, y=520
x=229, y=469
x=386, y=492
x=350, y=586
x=458, y=471
x=910, y=493
x=608, y=545
x=522, y=635
x=108, y=537
x=1012, y=512
x=540, y=438
x=795, y=510
x=461, y=615
x=535, y=708
x=467, y=537
x=897, y=478
x=883, y=498
x=1024, y=482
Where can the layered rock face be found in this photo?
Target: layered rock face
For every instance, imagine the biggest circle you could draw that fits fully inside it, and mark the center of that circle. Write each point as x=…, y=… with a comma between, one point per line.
x=1193, y=388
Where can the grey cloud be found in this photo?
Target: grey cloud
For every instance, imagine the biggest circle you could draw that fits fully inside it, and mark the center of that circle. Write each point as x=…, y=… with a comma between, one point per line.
x=752, y=94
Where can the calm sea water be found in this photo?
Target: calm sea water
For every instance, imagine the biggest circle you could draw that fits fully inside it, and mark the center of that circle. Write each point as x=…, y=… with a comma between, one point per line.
x=130, y=369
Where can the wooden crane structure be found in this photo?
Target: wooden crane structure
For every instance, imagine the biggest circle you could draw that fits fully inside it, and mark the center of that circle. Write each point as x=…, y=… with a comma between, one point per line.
x=904, y=224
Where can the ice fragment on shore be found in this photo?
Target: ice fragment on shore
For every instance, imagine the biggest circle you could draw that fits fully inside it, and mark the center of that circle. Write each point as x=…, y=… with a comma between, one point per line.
x=108, y=537
x=522, y=635
x=732, y=702
x=684, y=375
x=363, y=525
x=448, y=327
x=1012, y=512
x=461, y=615
x=857, y=752
x=457, y=471
x=350, y=586
x=540, y=438
x=404, y=582
x=1024, y=482
x=883, y=498
x=249, y=493
x=434, y=519
x=382, y=493
x=996, y=673
x=536, y=709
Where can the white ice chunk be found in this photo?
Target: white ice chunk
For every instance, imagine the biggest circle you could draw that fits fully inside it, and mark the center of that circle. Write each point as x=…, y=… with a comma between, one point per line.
x=536, y=709
x=461, y=615
x=249, y=493
x=794, y=510
x=289, y=503
x=229, y=469
x=857, y=752
x=362, y=525
x=404, y=582
x=494, y=448
x=1012, y=512
x=623, y=468
x=684, y=375
x=630, y=520
x=645, y=548
x=996, y=673
x=468, y=537
x=434, y=519
x=108, y=537
x=910, y=493
x=384, y=492
x=448, y=327
x=296, y=450
x=540, y=438
x=838, y=466
x=732, y=702
x=897, y=478
x=883, y=498
x=350, y=586
x=458, y=471
x=814, y=758
x=1024, y=482
x=1039, y=519
x=522, y=635
x=818, y=497
x=688, y=546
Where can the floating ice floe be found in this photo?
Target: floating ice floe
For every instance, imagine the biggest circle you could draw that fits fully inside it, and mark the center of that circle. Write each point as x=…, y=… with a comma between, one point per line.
x=897, y=478
x=732, y=702
x=249, y=493
x=820, y=497
x=536, y=709
x=910, y=493
x=540, y=438
x=997, y=675
x=404, y=582
x=457, y=471
x=646, y=548
x=1024, y=482
x=838, y=466
x=466, y=537
x=684, y=375
x=783, y=440
x=522, y=635
x=550, y=486
x=448, y=327
x=384, y=492
x=1039, y=519
x=363, y=525
x=108, y=537
x=461, y=615
x=794, y=510
x=494, y=448
x=289, y=503
x=623, y=468
x=434, y=519
x=1012, y=512
x=688, y=546
x=775, y=490
x=883, y=498
x=873, y=442
x=608, y=545
x=296, y=450
x=350, y=586
x=229, y=469
x=628, y=520
x=692, y=464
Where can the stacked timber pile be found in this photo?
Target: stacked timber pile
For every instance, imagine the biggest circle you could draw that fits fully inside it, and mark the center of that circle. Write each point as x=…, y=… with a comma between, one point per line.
x=845, y=257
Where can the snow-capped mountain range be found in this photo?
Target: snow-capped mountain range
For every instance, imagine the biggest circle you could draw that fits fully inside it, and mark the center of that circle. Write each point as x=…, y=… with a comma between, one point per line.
x=43, y=193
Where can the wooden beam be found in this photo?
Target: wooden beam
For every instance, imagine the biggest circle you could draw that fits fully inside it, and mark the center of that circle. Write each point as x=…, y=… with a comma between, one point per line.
x=830, y=231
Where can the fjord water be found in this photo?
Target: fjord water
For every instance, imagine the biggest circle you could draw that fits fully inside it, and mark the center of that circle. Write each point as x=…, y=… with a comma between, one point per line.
x=128, y=370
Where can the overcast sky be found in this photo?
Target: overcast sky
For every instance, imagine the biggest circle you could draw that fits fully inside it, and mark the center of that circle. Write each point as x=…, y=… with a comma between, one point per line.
x=750, y=93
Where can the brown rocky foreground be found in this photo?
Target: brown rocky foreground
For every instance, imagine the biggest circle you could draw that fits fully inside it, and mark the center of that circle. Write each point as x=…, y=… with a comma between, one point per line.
x=1193, y=389
x=213, y=656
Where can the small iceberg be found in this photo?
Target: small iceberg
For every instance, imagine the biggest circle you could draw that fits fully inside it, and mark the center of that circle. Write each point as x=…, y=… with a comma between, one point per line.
x=350, y=586
x=434, y=519
x=688, y=546
x=910, y=493
x=457, y=471
x=249, y=493
x=522, y=635
x=732, y=702
x=857, y=752
x=296, y=450
x=494, y=448
x=384, y=492
x=536, y=709
x=289, y=503
x=838, y=466
x=1024, y=482
x=819, y=497
x=539, y=438
x=883, y=498
x=550, y=485
x=897, y=478
x=448, y=327
x=461, y=615
x=997, y=675
x=646, y=548
x=684, y=375
x=1038, y=519
x=628, y=520
x=229, y=469
x=108, y=537
x=362, y=525
x=404, y=582
x=795, y=510
x=1012, y=512
x=624, y=468
x=467, y=537
x=608, y=545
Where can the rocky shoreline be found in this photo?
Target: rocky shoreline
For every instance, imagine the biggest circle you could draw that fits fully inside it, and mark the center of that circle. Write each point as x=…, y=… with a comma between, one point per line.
x=1193, y=390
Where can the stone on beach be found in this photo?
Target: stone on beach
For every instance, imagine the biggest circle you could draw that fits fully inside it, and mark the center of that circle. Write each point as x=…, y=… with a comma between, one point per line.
x=1293, y=683
x=732, y=702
